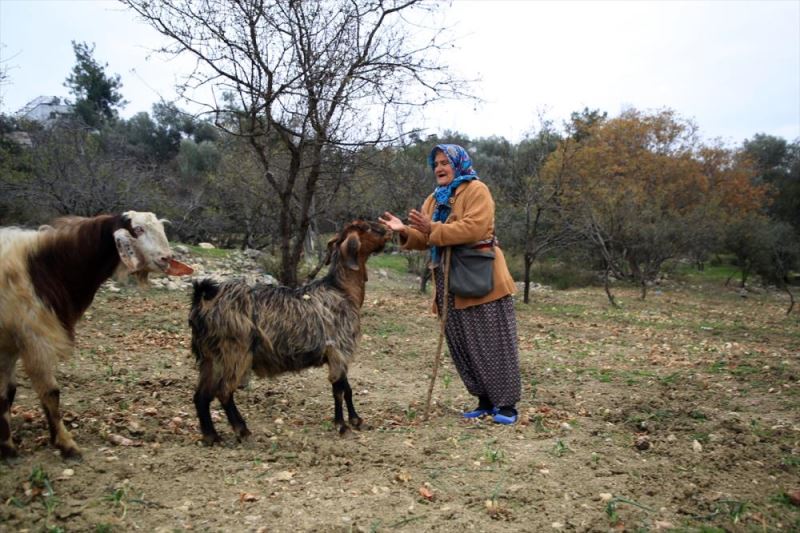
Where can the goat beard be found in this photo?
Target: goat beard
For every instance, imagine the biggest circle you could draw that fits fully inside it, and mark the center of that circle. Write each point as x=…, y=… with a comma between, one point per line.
x=122, y=274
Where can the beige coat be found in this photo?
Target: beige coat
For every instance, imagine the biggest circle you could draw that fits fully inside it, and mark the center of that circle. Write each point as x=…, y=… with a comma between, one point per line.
x=471, y=220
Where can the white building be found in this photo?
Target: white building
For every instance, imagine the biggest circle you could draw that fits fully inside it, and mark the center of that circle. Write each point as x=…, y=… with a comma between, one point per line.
x=43, y=109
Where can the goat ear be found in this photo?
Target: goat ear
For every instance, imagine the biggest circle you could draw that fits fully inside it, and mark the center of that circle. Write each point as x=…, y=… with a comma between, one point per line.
x=122, y=238
x=329, y=254
x=349, y=251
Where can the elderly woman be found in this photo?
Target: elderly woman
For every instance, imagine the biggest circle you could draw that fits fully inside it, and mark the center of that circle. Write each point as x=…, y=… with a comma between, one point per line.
x=481, y=331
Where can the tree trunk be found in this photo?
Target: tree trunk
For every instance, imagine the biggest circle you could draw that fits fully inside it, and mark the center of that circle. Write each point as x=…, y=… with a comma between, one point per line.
x=607, y=287
x=643, y=289
x=528, y=264
x=791, y=299
x=424, y=277
x=745, y=275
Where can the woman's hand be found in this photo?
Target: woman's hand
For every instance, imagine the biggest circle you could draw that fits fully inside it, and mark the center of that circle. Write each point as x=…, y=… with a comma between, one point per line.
x=419, y=221
x=392, y=222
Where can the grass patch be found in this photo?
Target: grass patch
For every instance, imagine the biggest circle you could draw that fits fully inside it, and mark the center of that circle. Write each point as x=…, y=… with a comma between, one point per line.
x=386, y=329
x=563, y=310
x=561, y=276
x=711, y=273
x=217, y=253
x=396, y=262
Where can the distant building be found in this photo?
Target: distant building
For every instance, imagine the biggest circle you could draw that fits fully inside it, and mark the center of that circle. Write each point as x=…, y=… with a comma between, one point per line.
x=43, y=109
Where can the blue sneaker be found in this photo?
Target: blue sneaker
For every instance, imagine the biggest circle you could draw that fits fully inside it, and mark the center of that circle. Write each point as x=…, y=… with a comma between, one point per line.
x=505, y=415
x=479, y=412
x=484, y=408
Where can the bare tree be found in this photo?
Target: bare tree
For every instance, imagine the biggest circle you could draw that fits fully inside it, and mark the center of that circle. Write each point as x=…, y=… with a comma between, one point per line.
x=73, y=171
x=299, y=79
x=534, y=199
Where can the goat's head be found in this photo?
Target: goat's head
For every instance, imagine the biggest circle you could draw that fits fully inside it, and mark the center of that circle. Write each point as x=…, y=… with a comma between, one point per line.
x=357, y=241
x=143, y=247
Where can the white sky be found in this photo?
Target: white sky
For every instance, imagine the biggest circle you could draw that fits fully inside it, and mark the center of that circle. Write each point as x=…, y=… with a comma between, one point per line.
x=731, y=66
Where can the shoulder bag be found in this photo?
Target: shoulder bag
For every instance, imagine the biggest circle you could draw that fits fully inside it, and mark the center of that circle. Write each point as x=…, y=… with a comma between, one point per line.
x=471, y=270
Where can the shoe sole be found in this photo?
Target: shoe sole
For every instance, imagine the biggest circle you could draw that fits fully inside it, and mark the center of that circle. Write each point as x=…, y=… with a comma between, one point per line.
x=477, y=413
x=506, y=420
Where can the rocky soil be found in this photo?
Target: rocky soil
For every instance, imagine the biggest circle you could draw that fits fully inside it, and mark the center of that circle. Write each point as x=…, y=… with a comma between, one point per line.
x=679, y=413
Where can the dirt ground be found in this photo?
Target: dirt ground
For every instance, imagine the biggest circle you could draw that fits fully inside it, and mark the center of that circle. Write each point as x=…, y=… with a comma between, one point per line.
x=677, y=413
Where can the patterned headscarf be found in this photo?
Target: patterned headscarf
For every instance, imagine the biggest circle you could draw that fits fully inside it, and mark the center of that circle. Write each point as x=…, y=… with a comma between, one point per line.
x=462, y=171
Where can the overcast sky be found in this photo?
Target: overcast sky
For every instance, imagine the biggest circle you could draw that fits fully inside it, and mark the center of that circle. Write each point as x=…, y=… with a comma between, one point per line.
x=731, y=66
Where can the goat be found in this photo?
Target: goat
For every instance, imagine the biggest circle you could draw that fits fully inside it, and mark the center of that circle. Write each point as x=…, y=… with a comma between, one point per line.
x=48, y=278
x=271, y=330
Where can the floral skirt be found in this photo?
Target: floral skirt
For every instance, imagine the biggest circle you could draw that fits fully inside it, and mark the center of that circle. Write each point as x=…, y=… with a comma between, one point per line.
x=483, y=344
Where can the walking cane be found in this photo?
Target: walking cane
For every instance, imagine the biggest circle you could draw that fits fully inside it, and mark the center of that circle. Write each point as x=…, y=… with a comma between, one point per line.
x=442, y=323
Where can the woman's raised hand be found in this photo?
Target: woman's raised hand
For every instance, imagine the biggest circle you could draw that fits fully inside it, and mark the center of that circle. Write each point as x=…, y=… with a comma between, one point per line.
x=419, y=221
x=392, y=222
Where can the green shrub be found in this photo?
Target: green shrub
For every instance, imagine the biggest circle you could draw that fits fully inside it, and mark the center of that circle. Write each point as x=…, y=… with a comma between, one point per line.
x=562, y=276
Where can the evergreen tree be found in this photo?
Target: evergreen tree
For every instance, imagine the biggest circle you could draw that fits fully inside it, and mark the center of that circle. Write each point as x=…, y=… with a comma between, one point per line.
x=97, y=95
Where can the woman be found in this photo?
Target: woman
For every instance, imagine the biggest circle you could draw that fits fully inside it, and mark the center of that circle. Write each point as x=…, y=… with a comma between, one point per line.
x=481, y=332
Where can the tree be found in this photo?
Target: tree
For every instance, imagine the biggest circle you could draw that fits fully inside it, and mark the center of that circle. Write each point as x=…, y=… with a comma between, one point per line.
x=782, y=247
x=302, y=79
x=153, y=142
x=635, y=183
x=531, y=212
x=778, y=165
x=582, y=123
x=97, y=95
x=15, y=169
x=72, y=171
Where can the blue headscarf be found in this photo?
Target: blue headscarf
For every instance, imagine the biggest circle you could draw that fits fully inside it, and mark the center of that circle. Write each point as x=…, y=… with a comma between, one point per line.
x=462, y=171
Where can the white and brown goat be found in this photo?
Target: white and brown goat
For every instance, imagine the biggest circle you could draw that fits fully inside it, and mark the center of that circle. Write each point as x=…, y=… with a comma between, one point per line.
x=271, y=330
x=48, y=278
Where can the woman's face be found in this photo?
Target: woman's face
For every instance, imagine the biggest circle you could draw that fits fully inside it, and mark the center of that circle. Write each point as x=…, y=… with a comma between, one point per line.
x=442, y=169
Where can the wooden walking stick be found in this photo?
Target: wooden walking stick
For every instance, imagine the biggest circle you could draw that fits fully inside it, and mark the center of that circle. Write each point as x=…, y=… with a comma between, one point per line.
x=442, y=323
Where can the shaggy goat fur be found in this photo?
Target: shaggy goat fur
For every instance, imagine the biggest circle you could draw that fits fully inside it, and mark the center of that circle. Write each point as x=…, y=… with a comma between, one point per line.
x=272, y=330
x=48, y=279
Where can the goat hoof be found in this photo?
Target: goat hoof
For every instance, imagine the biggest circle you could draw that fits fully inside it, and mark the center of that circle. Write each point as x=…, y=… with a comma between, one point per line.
x=210, y=440
x=8, y=452
x=355, y=423
x=243, y=434
x=343, y=430
x=72, y=453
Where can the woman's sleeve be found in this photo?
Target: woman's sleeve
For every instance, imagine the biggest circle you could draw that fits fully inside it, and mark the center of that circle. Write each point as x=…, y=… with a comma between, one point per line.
x=414, y=240
x=474, y=221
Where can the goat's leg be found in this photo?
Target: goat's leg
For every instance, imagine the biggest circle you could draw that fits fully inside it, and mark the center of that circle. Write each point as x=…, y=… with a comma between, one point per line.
x=237, y=362
x=8, y=389
x=338, y=414
x=203, y=395
x=40, y=369
x=202, y=403
x=337, y=375
x=234, y=417
x=352, y=416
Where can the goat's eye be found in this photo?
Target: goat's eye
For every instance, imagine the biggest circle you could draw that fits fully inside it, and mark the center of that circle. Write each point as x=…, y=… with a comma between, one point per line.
x=137, y=231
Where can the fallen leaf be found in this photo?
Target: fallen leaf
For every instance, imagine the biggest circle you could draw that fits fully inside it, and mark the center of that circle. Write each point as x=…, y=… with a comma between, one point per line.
x=285, y=475
x=426, y=493
x=119, y=440
x=248, y=497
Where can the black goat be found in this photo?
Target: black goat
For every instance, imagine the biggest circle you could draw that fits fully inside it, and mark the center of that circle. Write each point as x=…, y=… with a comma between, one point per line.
x=271, y=330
